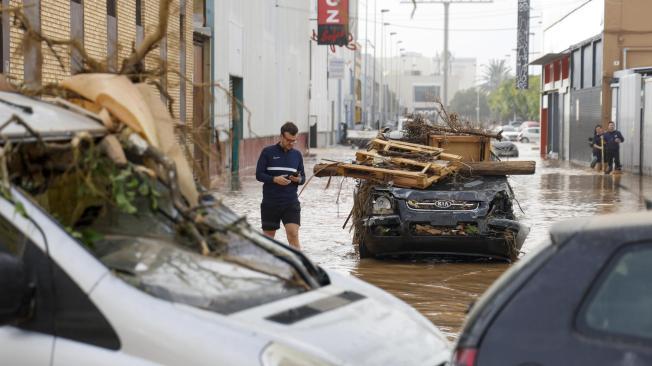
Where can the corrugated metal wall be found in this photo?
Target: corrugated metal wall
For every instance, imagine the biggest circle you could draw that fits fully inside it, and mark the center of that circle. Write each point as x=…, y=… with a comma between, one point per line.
x=629, y=122
x=585, y=112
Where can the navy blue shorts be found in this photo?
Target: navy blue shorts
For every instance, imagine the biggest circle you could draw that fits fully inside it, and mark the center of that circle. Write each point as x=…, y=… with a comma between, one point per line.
x=271, y=215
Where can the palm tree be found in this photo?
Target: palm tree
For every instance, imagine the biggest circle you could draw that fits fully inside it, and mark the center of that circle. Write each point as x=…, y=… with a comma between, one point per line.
x=494, y=74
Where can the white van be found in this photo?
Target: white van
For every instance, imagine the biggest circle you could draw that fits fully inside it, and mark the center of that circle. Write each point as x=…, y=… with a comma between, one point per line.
x=141, y=295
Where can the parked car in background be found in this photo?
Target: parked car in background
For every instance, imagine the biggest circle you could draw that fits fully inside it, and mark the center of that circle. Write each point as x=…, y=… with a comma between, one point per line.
x=583, y=299
x=504, y=149
x=527, y=124
x=529, y=134
x=509, y=132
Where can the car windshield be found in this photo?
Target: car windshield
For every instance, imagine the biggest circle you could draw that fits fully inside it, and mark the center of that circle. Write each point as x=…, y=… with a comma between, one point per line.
x=151, y=252
x=508, y=129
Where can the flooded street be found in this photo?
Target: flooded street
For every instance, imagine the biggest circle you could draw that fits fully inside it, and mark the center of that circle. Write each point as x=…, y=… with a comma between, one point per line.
x=441, y=291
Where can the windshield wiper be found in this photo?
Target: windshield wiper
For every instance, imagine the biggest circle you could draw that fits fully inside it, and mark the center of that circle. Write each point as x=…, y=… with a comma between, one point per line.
x=24, y=108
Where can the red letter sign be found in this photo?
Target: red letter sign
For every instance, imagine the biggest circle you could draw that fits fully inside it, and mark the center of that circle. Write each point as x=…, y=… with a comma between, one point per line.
x=333, y=22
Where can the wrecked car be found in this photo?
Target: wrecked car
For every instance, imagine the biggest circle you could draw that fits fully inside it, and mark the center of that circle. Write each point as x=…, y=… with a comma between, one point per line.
x=104, y=261
x=457, y=218
x=504, y=149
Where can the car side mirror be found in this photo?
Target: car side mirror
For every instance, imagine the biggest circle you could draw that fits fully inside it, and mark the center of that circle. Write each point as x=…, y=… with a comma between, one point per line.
x=16, y=290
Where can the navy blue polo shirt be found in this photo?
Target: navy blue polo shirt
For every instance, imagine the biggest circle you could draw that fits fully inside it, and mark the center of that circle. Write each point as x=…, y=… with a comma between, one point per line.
x=275, y=161
x=610, y=140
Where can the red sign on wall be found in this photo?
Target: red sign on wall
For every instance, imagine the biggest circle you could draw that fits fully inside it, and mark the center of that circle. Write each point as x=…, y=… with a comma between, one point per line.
x=333, y=22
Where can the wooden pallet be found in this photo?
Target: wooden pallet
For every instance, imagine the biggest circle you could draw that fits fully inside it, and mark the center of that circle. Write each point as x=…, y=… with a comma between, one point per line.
x=437, y=167
x=399, y=178
x=401, y=146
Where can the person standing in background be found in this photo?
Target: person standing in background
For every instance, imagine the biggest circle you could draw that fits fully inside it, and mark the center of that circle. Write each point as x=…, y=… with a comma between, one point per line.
x=596, y=144
x=612, y=140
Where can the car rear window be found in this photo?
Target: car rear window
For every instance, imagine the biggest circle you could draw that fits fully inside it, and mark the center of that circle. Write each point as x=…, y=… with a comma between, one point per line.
x=620, y=302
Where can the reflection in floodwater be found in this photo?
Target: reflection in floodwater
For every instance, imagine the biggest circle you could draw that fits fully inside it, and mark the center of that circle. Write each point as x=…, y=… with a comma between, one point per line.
x=443, y=291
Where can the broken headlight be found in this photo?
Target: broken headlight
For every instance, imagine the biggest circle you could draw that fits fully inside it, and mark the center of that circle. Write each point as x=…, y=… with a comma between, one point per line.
x=382, y=205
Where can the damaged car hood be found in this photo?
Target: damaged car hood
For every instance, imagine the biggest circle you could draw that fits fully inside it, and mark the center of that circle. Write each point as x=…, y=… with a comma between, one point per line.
x=483, y=190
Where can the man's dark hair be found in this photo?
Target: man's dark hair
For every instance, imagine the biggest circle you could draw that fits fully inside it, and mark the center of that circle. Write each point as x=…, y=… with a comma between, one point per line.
x=290, y=128
x=612, y=122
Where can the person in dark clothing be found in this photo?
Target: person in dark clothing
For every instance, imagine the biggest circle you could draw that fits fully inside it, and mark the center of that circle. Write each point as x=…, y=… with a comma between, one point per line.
x=596, y=144
x=612, y=140
x=280, y=168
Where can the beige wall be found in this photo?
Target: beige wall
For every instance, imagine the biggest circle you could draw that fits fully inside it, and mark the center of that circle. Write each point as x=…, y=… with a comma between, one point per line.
x=627, y=26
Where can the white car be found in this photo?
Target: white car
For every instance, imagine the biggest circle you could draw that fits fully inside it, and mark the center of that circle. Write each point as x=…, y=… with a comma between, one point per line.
x=509, y=133
x=529, y=134
x=141, y=295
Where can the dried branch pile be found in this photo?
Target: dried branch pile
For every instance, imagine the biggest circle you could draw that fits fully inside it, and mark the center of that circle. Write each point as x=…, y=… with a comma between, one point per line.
x=418, y=128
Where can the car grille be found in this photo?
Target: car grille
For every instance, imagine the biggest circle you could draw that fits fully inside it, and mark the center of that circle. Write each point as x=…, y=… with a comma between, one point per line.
x=443, y=205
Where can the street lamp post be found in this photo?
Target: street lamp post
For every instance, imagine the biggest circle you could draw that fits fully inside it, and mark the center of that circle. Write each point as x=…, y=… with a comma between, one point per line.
x=400, y=68
x=381, y=92
x=391, y=65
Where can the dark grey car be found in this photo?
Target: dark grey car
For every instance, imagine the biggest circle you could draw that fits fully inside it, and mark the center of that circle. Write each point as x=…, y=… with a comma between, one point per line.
x=456, y=218
x=504, y=149
x=583, y=299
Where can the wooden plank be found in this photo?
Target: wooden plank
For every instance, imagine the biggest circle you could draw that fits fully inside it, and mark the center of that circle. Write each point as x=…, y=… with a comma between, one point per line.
x=325, y=170
x=401, y=173
x=386, y=145
x=450, y=157
x=497, y=167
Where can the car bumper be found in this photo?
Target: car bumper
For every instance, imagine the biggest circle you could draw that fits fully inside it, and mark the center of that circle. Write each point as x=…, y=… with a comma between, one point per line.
x=491, y=243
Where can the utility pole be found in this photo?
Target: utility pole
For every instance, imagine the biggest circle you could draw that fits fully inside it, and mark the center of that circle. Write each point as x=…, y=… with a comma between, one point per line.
x=373, y=84
x=365, y=112
x=446, y=4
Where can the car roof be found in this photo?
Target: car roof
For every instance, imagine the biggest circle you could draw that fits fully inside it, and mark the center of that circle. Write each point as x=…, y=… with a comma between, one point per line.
x=50, y=121
x=627, y=226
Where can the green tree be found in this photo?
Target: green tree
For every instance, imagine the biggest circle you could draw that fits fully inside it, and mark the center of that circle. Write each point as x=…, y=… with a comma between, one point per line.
x=494, y=74
x=507, y=102
x=465, y=101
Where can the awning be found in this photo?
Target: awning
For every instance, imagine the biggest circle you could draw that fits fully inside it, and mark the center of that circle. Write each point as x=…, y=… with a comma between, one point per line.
x=547, y=58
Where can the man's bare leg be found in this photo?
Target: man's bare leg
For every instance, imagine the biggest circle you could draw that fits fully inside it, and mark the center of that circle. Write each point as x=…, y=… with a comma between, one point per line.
x=292, y=231
x=270, y=233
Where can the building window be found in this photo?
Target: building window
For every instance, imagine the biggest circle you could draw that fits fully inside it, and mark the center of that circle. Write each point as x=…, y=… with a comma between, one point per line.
x=76, y=32
x=597, y=55
x=111, y=8
x=182, y=61
x=140, y=31
x=576, y=77
x=587, y=66
x=112, y=35
x=199, y=13
x=139, y=13
x=426, y=93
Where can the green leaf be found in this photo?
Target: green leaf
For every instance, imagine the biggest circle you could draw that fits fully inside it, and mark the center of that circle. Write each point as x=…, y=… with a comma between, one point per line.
x=143, y=189
x=20, y=209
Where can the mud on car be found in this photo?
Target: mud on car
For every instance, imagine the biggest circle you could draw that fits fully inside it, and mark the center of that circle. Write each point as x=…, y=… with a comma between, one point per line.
x=469, y=218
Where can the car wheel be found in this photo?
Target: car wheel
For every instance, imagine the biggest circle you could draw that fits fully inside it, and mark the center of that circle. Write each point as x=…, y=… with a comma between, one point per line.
x=362, y=249
x=525, y=140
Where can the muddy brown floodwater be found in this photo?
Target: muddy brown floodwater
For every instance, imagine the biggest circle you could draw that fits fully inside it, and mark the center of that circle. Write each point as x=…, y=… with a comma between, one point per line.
x=440, y=291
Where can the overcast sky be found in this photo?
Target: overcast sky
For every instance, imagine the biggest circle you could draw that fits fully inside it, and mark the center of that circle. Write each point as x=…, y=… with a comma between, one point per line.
x=483, y=30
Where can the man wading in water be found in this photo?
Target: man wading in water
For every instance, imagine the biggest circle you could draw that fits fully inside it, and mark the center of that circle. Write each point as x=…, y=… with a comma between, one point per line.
x=280, y=168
